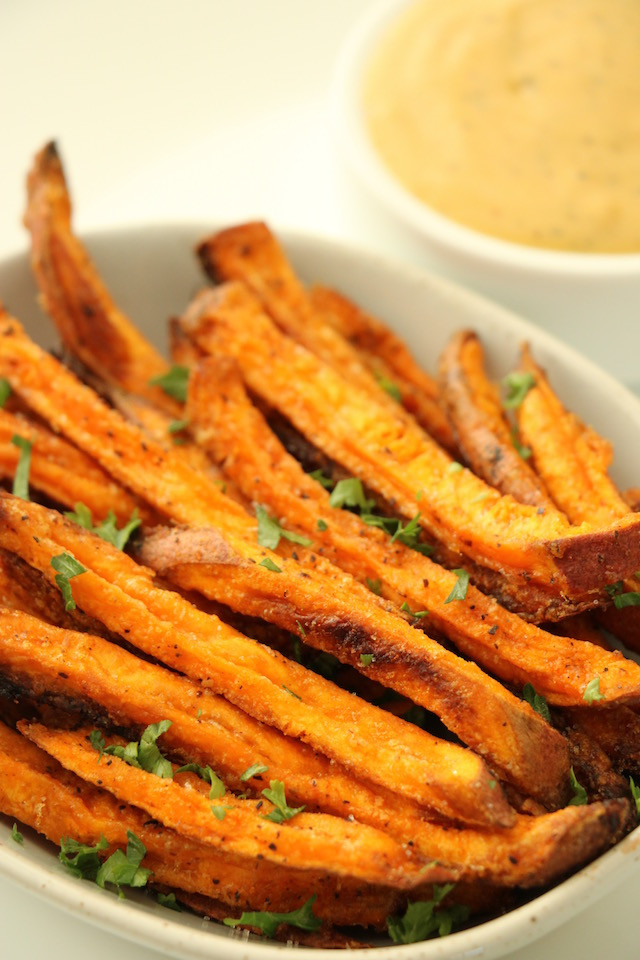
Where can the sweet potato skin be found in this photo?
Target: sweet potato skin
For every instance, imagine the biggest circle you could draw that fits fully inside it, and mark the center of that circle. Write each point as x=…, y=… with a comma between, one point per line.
x=481, y=431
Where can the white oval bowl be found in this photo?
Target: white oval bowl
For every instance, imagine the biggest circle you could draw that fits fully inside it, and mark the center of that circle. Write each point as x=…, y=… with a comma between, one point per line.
x=152, y=273
x=567, y=293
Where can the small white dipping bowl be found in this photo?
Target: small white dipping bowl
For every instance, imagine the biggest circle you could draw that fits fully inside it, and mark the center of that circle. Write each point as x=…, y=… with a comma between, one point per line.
x=590, y=300
x=152, y=273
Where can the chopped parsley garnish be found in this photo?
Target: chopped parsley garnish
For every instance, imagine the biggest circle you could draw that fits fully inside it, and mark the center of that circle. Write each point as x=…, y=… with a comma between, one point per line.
x=79, y=859
x=169, y=901
x=270, y=532
x=209, y=776
x=270, y=565
x=66, y=568
x=302, y=630
x=143, y=753
x=281, y=812
x=177, y=426
x=123, y=869
x=322, y=524
x=219, y=812
x=16, y=835
x=21, y=476
x=320, y=478
x=366, y=659
x=350, y=493
x=291, y=693
x=517, y=385
x=423, y=918
x=635, y=793
x=579, y=793
x=417, y=614
x=107, y=530
x=408, y=535
x=389, y=387
x=629, y=599
x=303, y=918
x=253, y=771
x=5, y=391
x=536, y=701
x=592, y=691
x=375, y=586
x=525, y=452
x=459, y=591
x=454, y=467
x=174, y=382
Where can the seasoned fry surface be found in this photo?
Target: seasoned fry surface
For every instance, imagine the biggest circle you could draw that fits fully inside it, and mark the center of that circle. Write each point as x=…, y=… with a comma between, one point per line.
x=364, y=751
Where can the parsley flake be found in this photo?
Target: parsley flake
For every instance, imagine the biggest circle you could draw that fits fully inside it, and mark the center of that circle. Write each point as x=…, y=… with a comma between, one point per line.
x=253, y=771
x=592, y=691
x=177, y=426
x=322, y=524
x=459, y=591
x=629, y=599
x=270, y=531
x=350, y=493
x=169, y=901
x=123, y=868
x=320, y=478
x=66, y=568
x=291, y=693
x=517, y=385
x=270, y=565
x=417, y=614
x=219, y=812
x=366, y=659
x=21, y=476
x=389, y=387
x=143, y=754
x=209, y=776
x=174, y=382
x=579, y=797
x=454, y=467
x=635, y=793
x=422, y=919
x=281, y=812
x=375, y=586
x=303, y=918
x=108, y=529
x=536, y=701
x=16, y=835
x=5, y=391
x=525, y=452
x=79, y=859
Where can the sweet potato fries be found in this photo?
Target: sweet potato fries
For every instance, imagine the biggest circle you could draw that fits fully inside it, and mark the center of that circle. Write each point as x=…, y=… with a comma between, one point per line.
x=299, y=701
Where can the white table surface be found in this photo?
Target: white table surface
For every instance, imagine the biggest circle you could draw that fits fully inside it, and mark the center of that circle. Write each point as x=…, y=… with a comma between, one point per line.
x=205, y=108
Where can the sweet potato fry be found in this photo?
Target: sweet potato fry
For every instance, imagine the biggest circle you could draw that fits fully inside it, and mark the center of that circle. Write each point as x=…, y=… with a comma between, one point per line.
x=90, y=324
x=74, y=808
x=236, y=434
x=571, y=459
x=481, y=431
x=374, y=744
x=190, y=497
x=616, y=730
x=388, y=358
x=250, y=253
x=62, y=472
x=313, y=841
x=398, y=460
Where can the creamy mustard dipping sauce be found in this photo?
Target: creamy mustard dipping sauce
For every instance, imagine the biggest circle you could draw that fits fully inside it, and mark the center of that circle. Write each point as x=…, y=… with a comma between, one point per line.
x=519, y=118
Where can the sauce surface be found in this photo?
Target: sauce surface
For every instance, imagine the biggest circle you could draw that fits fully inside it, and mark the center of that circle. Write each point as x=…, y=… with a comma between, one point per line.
x=518, y=118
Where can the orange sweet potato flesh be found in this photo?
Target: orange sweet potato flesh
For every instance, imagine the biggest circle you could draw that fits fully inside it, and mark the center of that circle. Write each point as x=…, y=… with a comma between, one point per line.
x=397, y=459
x=251, y=253
x=88, y=321
x=63, y=472
x=235, y=433
x=372, y=743
x=313, y=841
x=482, y=433
x=531, y=853
x=571, y=459
x=74, y=808
x=325, y=605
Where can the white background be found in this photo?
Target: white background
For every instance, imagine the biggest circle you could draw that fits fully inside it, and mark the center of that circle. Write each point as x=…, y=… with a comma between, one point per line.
x=194, y=110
